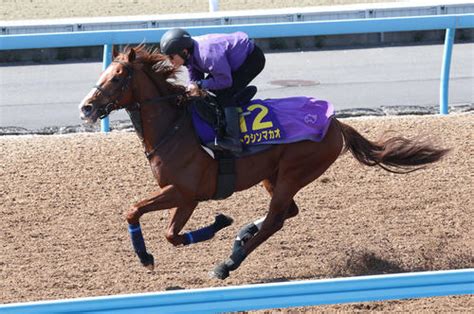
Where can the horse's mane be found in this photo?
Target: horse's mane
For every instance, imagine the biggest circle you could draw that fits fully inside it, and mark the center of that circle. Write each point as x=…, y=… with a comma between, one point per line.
x=157, y=66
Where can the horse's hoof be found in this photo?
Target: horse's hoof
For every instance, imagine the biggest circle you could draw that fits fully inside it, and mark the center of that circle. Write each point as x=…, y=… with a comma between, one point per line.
x=222, y=221
x=148, y=262
x=150, y=267
x=221, y=271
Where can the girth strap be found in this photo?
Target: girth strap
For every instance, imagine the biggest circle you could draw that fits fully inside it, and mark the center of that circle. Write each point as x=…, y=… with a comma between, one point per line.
x=225, y=176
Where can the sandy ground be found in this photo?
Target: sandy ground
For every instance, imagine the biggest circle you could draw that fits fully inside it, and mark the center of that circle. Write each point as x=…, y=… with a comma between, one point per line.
x=49, y=9
x=63, y=235
x=62, y=198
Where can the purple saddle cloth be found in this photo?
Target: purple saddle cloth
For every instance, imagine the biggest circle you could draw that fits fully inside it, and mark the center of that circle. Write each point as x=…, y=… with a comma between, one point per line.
x=276, y=121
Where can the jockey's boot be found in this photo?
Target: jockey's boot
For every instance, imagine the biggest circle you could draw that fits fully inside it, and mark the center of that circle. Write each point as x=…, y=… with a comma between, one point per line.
x=231, y=140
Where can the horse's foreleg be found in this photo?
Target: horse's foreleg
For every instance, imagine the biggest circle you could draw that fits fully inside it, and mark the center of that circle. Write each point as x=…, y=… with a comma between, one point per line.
x=180, y=216
x=168, y=197
x=206, y=233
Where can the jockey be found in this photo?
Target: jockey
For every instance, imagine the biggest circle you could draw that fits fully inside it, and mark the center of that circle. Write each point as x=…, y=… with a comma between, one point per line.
x=221, y=63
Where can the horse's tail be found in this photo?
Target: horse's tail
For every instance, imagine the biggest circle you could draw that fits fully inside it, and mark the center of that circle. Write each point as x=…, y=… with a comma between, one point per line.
x=401, y=154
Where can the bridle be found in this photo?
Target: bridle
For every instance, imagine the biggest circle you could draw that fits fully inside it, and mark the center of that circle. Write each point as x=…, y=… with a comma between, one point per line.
x=114, y=104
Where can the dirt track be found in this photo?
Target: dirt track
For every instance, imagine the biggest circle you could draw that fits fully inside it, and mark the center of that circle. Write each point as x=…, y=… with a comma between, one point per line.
x=54, y=9
x=63, y=234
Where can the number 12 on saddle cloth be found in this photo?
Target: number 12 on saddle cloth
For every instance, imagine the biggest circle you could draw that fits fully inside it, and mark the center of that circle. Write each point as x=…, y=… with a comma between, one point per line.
x=286, y=120
x=277, y=121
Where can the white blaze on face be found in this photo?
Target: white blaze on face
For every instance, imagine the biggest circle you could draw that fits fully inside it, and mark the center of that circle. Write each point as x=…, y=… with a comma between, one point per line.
x=92, y=91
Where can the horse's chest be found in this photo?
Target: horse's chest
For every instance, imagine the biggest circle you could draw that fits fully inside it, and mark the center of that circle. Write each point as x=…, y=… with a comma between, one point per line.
x=166, y=172
x=159, y=170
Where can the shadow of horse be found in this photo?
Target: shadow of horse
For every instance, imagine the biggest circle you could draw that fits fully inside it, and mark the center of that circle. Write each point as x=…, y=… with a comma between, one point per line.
x=362, y=263
x=356, y=263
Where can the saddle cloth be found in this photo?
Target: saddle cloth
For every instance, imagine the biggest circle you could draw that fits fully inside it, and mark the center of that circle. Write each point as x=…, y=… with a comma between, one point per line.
x=275, y=121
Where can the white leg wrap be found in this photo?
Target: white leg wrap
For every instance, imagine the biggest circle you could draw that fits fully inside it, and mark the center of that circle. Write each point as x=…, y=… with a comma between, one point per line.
x=259, y=222
x=249, y=230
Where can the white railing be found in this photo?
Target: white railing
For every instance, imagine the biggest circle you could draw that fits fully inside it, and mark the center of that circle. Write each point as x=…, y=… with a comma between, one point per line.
x=216, y=18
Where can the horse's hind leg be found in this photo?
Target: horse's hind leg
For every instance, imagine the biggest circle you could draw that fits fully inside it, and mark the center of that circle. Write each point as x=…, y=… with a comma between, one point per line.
x=249, y=230
x=301, y=164
x=269, y=185
x=280, y=204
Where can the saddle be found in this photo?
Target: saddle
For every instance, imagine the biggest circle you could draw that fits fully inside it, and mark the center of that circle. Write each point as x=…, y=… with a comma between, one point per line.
x=209, y=111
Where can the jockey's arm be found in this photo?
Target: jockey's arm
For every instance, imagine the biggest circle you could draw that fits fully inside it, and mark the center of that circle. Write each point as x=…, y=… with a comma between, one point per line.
x=220, y=74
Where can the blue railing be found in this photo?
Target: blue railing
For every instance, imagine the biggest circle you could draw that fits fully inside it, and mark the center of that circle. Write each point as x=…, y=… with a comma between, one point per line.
x=265, y=30
x=266, y=296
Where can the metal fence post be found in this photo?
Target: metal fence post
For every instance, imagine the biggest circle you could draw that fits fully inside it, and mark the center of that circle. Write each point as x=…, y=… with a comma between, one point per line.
x=445, y=67
x=107, y=59
x=213, y=5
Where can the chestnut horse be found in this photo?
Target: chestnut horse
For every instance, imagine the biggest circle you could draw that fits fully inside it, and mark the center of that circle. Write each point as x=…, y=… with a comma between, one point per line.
x=140, y=80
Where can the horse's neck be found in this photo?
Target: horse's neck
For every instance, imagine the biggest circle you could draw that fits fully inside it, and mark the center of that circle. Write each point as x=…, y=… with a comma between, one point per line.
x=157, y=117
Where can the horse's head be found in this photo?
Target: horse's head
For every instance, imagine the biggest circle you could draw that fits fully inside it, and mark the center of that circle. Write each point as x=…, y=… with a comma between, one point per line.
x=113, y=89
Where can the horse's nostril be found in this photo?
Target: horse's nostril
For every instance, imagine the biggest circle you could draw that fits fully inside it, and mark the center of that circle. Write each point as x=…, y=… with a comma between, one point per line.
x=87, y=109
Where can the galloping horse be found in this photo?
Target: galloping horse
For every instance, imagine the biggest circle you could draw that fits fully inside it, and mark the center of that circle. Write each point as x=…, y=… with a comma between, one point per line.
x=140, y=81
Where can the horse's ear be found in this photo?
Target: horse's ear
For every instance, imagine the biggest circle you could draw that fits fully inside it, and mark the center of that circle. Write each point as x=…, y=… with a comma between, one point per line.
x=131, y=55
x=115, y=52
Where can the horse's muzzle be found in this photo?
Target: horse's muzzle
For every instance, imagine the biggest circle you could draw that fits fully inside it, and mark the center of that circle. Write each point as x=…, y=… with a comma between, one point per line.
x=88, y=113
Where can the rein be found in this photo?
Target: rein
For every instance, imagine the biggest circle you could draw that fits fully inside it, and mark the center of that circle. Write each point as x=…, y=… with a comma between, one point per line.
x=173, y=130
x=168, y=135
x=176, y=126
x=112, y=105
x=125, y=81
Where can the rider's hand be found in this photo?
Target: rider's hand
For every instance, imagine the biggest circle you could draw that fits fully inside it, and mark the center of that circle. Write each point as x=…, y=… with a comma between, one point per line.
x=193, y=89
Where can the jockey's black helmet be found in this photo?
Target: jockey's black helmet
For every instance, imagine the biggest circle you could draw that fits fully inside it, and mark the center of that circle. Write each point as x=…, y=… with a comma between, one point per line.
x=175, y=41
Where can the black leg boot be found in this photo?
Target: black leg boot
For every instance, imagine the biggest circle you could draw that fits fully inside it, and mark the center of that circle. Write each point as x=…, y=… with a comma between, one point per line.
x=231, y=140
